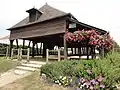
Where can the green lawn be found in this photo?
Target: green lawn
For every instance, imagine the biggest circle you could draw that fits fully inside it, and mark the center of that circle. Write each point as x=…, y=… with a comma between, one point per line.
x=6, y=65
x=31, y=82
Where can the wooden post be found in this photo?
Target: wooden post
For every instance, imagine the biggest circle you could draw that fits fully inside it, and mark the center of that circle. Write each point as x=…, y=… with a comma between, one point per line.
x=87, y=49
x=37, y=49
x=28, y=53
x=12, y=54
x=23, y=45
x=40, y=48
x=29, y=44
x=65, y=49
x=21, y=54
x=17, y=43
x=44, y=50
x=18, y=56
x=11, y=46
x=75, y=51
x=58, y=54
x=33, y=49
x=72, y=50
x=47, y=55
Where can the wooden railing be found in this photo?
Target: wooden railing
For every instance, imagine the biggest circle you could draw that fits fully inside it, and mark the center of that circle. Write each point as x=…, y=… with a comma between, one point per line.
x=48, y=55
x=19, y=53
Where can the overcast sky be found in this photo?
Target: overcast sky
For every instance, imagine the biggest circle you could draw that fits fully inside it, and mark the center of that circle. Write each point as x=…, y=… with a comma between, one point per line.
x=104, y=14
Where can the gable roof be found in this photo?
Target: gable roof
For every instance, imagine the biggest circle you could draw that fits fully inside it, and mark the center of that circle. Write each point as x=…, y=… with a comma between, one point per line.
x=48, y=13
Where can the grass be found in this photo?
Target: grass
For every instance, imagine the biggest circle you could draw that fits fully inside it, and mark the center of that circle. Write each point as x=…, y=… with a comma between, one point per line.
x=31, y=82
x=6, y=65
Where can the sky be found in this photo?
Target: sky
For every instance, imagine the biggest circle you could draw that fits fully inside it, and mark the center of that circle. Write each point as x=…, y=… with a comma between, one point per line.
x=104, y=14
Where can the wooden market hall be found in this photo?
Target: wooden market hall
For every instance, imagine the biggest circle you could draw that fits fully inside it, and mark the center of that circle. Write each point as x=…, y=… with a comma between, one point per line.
x=48, y=26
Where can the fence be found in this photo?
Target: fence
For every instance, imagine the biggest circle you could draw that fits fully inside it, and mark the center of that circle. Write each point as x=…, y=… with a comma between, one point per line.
x=19, y=53
x=50, y=53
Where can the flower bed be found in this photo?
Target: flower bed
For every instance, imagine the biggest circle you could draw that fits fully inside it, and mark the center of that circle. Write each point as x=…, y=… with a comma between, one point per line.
x=92, y=38
x=87, y=75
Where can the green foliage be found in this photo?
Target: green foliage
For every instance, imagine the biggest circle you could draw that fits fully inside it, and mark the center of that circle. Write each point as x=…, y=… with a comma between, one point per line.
x=108, y=68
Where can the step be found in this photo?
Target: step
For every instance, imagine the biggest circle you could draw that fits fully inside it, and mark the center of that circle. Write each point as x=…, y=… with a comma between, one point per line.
x=26, y=68
x=37, y=62
x=32, y=65
x=20, y=72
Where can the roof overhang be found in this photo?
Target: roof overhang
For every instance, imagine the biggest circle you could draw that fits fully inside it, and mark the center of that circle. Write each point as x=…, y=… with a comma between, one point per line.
x=87, y=26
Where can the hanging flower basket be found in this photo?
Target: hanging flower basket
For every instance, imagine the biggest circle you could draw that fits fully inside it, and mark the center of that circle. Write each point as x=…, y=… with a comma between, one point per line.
x=90, y=37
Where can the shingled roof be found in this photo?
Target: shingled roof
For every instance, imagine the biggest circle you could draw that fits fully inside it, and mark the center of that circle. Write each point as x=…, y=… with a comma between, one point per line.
x=48, y=13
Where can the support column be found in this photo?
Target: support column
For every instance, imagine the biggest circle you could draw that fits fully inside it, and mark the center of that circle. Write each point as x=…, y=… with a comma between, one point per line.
x=37, y=48
x=23, y=46
x=87, y=52
x=40, y=48
x=33, y=49
x=17, y=43
x=44, y=50
x=29, y=44
x=65, y=49
x=11, y=46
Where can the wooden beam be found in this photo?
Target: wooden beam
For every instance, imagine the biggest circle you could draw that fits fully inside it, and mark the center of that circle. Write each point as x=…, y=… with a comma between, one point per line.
x=44, y=50
x=58, y=54
x=23, y=46
x=65, y=49
x=75, y=51
x=72, y=50
x=37, y=48
x=11, y=46
x=92, y=52
x=40, y=48
x=33, y=49
x=23, y=43
x=17, y=43
x=28, y=54
x=87, y=49
x=47, y=55
x=64, y=41
x=29, y=44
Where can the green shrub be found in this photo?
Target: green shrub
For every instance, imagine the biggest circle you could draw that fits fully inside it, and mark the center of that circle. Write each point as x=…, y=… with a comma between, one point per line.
x=108, y=68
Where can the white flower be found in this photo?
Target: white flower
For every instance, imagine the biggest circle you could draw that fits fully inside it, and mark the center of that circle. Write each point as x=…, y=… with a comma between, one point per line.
x=59, y=83
x=60, y=77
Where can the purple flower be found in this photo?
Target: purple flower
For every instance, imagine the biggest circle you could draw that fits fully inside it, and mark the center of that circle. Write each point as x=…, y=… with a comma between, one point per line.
x=93, y=81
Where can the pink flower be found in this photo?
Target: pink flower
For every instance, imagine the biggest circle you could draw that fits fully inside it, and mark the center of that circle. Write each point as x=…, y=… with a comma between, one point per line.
x=102, y=86
x=100, y=78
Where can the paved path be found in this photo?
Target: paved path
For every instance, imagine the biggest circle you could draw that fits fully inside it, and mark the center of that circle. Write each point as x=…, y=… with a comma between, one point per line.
x=19, y=72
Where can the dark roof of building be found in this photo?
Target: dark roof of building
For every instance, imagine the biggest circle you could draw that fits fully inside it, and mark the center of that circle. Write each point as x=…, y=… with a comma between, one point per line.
x=48, y=13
